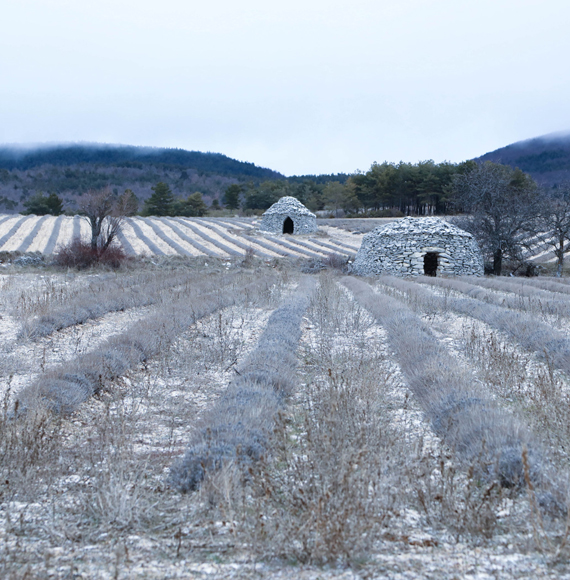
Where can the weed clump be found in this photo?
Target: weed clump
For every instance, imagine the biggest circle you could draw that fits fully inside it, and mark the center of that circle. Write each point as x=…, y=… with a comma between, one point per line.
x=80, y=255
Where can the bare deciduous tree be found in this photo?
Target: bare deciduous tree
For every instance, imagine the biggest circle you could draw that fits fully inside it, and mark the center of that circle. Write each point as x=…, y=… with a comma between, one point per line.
x=105, y=213
x=554, y=221
x=502, y=206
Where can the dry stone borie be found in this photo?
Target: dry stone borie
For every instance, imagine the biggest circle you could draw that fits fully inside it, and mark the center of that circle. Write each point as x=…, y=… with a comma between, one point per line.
x=288, y=216
x=418, y=246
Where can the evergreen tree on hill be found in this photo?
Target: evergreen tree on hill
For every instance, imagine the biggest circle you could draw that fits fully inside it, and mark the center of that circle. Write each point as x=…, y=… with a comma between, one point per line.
x=161, y=202
x=232, y=196
x=193, y=206
x=39, y=204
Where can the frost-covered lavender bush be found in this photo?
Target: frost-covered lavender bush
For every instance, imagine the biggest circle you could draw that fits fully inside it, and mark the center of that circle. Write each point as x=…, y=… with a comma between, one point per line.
x=460, y=412
x=237, y=427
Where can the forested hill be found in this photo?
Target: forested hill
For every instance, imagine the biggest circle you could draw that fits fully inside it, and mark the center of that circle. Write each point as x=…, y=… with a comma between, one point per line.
x=129, y=156
x=71, y=170
x=546, y=158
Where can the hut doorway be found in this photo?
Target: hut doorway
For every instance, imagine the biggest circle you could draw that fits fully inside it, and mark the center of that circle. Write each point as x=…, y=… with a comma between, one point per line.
x=430, y=264
x=288, y=226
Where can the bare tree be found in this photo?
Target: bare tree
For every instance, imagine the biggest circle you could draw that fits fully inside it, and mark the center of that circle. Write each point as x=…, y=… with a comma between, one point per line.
x=554, y=221
x=502, y=206
x=105, y=214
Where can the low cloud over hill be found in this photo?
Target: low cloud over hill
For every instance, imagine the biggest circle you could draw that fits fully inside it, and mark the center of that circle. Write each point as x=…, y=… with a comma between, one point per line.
x=546, y=158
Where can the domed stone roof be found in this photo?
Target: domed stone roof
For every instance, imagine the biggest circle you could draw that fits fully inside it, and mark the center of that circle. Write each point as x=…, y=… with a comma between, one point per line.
x=288, y=216
x=420, y=225
x=415, y=246
x=289, y=205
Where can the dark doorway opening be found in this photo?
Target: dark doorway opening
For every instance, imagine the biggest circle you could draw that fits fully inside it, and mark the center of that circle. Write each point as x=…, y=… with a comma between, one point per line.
x=430, y=264
x=288, y=226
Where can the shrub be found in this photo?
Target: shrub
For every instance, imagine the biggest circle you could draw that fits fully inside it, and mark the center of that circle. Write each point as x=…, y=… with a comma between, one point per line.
x=81, y=255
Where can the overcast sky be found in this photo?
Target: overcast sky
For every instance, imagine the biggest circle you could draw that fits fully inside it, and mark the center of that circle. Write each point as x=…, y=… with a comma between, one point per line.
x=301, y=86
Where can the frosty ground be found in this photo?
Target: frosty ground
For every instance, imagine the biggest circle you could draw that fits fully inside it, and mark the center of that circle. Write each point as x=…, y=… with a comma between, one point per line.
x=354, y=478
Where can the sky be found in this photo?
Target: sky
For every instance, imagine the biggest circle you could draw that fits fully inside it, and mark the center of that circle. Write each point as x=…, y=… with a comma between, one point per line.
x=302, y=87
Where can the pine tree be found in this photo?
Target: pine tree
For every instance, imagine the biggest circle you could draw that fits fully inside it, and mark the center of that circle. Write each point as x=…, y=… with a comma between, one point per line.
x=161, y=202
x=232, y=195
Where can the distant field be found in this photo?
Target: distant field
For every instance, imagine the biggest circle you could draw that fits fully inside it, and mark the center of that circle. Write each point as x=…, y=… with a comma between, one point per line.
x=216, y=237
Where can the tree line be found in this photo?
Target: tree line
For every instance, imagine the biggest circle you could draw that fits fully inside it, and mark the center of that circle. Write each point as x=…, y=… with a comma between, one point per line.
x=510, y=215
x=386, y=189
x=161, y=203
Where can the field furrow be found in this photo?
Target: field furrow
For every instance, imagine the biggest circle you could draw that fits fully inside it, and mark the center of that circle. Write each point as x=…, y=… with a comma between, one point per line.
x=336, y=247
x=214, y=241
x=235, y=240
x=125, y=244
x=29, y=237
x=197, y=246
x=14, y=226
x=137, y=228
x=168, y=236
x=168, y=239
x=46, y=240
x=76, y=233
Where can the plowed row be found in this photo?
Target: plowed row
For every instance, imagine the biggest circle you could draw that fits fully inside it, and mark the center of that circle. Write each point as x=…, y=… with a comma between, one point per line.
x=215, y=237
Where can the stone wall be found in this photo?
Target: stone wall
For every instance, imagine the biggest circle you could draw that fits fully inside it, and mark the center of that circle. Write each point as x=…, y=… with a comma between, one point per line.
x=274, y=223
x=399, y=249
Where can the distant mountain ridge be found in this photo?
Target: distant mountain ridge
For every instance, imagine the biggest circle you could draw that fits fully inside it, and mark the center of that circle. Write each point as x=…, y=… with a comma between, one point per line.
x=69, y=170
x=29, y=157
x=546, y=158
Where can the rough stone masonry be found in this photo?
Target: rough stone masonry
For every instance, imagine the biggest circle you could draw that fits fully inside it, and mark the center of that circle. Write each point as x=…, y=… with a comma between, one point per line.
x=418, y=246
x=288, y=216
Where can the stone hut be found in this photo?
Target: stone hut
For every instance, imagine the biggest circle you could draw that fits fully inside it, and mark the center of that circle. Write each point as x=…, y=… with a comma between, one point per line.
x=415, y=246
x=288, y=216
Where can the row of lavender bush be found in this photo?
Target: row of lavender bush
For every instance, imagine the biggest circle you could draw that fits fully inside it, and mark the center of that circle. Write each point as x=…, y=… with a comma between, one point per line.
x=527, y=299
x=65, y=388
x=237, y=427
x=114, y=295
x=529, y=332
x=467, y=419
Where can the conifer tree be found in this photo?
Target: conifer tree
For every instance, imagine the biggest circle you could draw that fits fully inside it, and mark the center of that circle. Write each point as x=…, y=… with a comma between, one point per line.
x=161, y=202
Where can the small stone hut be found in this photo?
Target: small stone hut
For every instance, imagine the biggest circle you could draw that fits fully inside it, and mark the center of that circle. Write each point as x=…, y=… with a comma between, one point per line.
x=288, y=216
x=415, y=246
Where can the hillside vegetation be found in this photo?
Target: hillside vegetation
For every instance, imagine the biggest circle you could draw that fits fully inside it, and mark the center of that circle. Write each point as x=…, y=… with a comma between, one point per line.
x=546, y=158
x=71, y=170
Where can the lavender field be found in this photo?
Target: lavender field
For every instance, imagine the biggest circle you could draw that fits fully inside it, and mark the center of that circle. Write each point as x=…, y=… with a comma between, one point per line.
x=190, y=237
x=239, y=417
